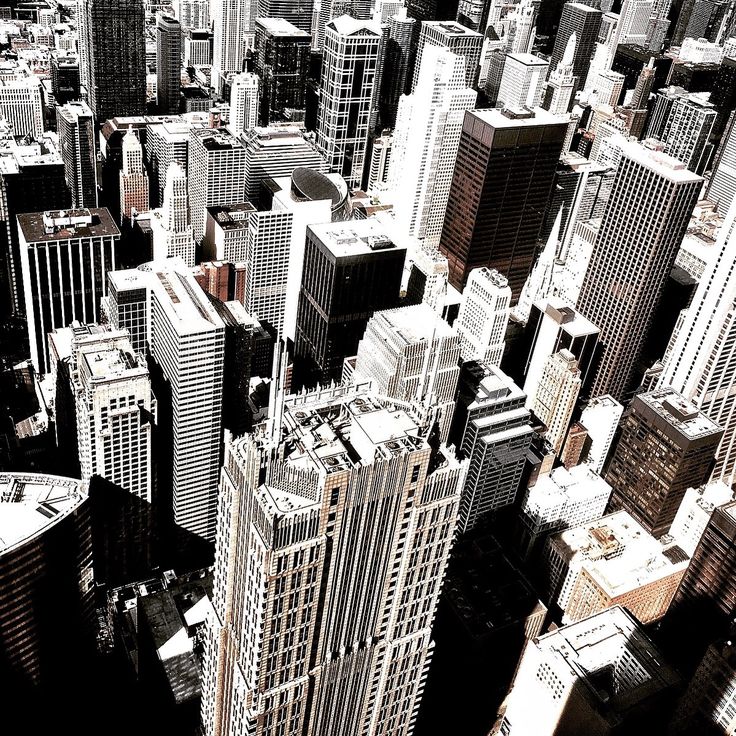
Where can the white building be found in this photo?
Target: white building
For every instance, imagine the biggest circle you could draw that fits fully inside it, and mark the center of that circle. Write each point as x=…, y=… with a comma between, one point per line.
x=722, y=185
x=559, y=683
x=562, y=81
x=162, y=305
x=21, y=104
x=172, y=230
x=600, y=418
x=133, y=178
x=234, y=25
x=608, y=562
x=244, y=102
x=411, y=354
x=352, y=51
x=569, y=274
x=522, y=81
x=425, y=144
x=701, y=51
x=309, y=591
x=484, y=315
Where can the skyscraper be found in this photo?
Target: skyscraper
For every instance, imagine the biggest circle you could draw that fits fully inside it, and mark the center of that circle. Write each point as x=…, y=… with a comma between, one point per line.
x=634, y=251
x=522, y=81
x=163, y=304
x=455, y=38
x=666, y=446
x=562, y=84
x=483, y=317
x=21, y=104
x=352, y=50
x=351, y=270
x=112, y=46
x=168, y=64
x=722, y=185
x=425, y=144
x=216, y=173
x=133, y=178
x=244, y=102
x=233, y=24
x=600, y=418
x=76, y=129
x=296, y=12
x=359, y=659
x=81, y=245
x=584, y=21
x=500, y=188
x=397, y=60
x=172, y=229
x=282, y=63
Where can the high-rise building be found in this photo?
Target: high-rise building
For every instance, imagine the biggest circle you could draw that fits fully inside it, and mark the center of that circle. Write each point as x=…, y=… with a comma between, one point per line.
x=492, y=429
x=585, y=22
x=381, y=152
x=133, y=178
x=296, y=12
x=81, y=245
x=166, y=143
x=636, y=246
x=666, y=446
x=244, y=102
x=522, y=81
x=21, y=104
x=556, y=395
x=425, y=144
x=455, y=38
x=233, y=23
x=683, y=122
x=559, y=684
x=397, y=60
x=600, y=417
x=172, y=229
x=198, y=47
x=560, y=91
x=722, y=185
x=65, y=76
x=483, y=317
x=76, y=130
x=47, y=579
x=260, y=239
x=162, y=306
x=359, y=660
x=193, y=13
x=351, y=270
x=113, y=56
x=352, y=50
x=168, y=64
x=411, y=354
x=505, y=168
x=282, y=63
x=216, y=173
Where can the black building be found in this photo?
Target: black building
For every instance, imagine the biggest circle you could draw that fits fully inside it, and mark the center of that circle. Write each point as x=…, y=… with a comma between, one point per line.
x=630, y=61
x=168, y=64
x=723, y=95
x=585, y=22
x=65, y=78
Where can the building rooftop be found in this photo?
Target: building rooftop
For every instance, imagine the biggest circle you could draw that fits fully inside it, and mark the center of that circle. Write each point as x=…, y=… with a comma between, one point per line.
x=281, y=27
x=217, y=139
x=494, y=385
x=523, y=118
x=528, y=59
x=416, y=323
x=232, y=217
x=346, y=25
x=663, y=164
x=353, y=238
x=112, y=363
x=569, y=319
x=679, y=413
x=44, y=227
x=31, y=503
x=562, y=487
x=450, y=28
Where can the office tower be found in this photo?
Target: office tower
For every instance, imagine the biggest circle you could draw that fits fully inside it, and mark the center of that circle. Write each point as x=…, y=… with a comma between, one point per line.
x=65, y=76
x=492, y=429
x=561, y=675
x=683, y=122
x=282, y=63
x=328, y=10
x=240, y=233
x=113, y=56
x=483, y=317
x=396, y=63
x=699, y=19
x=411, y=354
x=216, y=173
x=197, y=47
x=723, y=94
x=76, y=130
x=695, y=511
x=501, y=184
x=557, y=392
x=165, y=144
x=608, y=562
x=455, y=38
x=559, y=500
x=666, y=446
x=168, y=64
x=275, y=152
x=163, y=305
x=233, y=28
x=492, y=72
x=172, y=230
x=298, y=13
x=21, y=104
x=192, y=13
x=553, y=326
x=133, y=178
x=46, y=579
x=522, y=81
x=644, y=87
x=562, y=84
x=426, y=140
x=244, y=103
x=381, y=152
x=635, y=248
x=722, y=185
x=600, y=417
x=585, y=22
x=351, y=270
x=609, y=87
x=371, y=630
x=65, y=258
x=352, y=50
